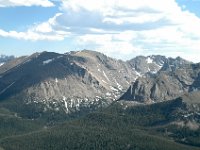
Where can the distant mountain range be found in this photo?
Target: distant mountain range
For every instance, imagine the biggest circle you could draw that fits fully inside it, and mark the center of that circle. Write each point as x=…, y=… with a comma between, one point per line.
x=81, y=80
x=4, y=59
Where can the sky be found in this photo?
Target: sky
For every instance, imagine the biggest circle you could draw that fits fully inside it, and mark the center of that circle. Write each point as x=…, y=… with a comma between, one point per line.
x=121, y=29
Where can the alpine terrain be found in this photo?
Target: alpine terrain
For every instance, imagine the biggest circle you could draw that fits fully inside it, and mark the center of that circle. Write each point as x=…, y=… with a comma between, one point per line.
x=87, y=100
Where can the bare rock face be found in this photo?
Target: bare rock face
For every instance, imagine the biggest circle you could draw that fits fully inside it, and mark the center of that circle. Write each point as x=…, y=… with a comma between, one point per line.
x=71, y=80
x=154, y=63
x=89, y=79
x=150, y=64
x=165, y=85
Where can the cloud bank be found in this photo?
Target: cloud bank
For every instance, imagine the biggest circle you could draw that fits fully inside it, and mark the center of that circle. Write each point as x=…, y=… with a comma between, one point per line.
x=16, y=3
x=122, y=28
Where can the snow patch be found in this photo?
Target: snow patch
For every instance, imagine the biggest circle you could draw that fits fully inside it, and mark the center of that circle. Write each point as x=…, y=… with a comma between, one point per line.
x=118, y=85
x=47, y=61
x=64, y=98
x=187, y=115
x=108, y=94
x=149, y=60
x=138, y=74
x=106, y=76
x=104, y=81
x=66, y=105
x=1, y=64
x=98, y=97
x=154, y=72
x=112, y=88
x=159, y=65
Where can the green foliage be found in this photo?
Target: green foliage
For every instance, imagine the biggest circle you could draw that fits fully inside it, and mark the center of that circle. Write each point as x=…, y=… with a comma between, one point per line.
x=183, y=134
x=147, y=115
x=11, y=125
x=99, y=131
x=133, y=128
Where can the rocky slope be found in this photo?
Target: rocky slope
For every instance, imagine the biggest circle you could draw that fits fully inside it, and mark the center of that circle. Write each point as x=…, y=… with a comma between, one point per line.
x=70, y=81
x=154, y=63
x=167, y=84
x=78, y=80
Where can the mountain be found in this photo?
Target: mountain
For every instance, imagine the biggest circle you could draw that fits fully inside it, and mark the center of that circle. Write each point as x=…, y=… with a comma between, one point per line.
x=12, y=63
x=65, y=82
x=78, y=81
x=79, y=100
x=154, y=63
x=165, y=85
x=4, y=59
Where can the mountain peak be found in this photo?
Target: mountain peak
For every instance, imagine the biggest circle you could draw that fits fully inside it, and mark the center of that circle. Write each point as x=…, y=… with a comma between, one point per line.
x=72, y=81
x=165, y=85
x=154, y=63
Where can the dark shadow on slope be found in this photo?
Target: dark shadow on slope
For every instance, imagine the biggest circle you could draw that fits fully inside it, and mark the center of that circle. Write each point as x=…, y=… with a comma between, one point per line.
x=36, y=70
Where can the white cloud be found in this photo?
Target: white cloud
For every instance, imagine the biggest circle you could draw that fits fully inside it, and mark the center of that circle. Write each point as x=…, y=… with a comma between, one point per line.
x=41, y=31
x=123, y=28
x=115, y=45
x=15, y=3
x=30, y=35
x=44, y=27
x=134, y=26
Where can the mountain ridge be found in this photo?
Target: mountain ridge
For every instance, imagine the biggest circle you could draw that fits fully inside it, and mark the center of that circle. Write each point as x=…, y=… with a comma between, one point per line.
x=165, y=85
x=76, y=80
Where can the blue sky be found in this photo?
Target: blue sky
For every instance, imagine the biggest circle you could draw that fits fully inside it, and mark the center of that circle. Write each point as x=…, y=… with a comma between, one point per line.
x=120, y=29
